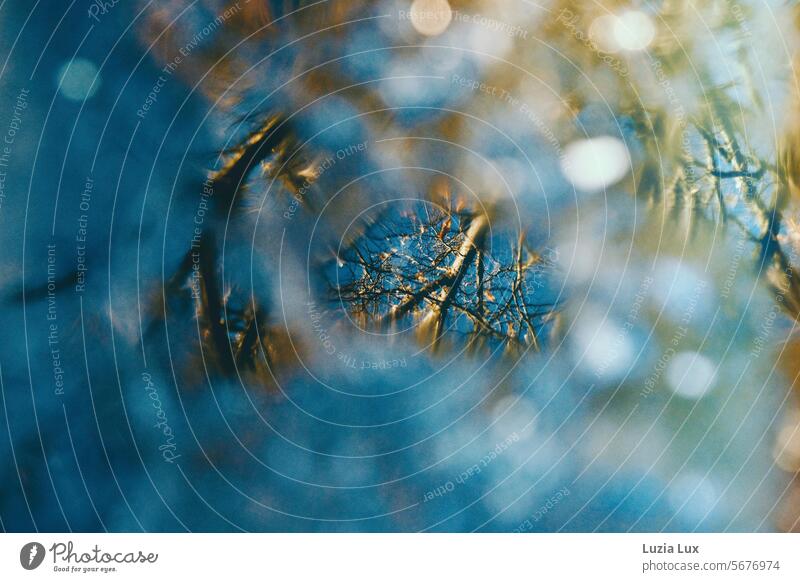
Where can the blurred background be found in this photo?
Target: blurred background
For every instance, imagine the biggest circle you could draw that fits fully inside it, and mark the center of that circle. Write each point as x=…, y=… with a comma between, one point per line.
x=399, y=265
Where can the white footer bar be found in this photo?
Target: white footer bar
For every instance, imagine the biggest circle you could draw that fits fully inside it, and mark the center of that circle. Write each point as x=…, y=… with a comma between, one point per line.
x=400, y=557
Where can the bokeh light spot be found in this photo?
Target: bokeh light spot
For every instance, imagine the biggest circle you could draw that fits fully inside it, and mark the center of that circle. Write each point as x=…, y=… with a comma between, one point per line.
x=596, y=163
x=634, y=30
x=431, y=17
x=691, y=375
x=78, y=79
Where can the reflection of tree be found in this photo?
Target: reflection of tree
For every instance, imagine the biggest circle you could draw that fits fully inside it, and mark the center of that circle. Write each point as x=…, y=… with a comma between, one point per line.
x=710, y=169
x=718, y=173
x=443, y=270
x=237, y=335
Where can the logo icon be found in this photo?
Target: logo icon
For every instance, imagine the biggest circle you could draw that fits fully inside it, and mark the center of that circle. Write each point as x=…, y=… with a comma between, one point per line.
x=31, y=555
